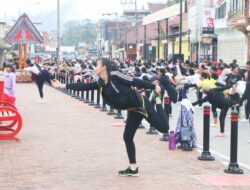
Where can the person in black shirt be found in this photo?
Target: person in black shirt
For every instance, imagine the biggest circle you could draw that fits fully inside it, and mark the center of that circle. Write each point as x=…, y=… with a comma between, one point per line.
x=117, y=90
x=39, y=75
x=216, y=98
x=233, y=78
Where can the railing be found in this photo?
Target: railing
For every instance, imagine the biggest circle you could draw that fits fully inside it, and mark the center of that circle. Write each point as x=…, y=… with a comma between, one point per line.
x=238, y=13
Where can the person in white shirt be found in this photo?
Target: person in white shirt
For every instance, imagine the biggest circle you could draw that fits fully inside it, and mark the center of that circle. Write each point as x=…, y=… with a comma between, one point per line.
x=41, y=76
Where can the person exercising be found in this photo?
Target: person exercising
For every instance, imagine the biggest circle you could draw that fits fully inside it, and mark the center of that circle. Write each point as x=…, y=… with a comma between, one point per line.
x=117, y=90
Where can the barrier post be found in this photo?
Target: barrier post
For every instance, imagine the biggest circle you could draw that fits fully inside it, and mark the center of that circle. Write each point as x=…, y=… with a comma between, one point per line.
x=119, y=115
x=103, y=108
x=92, y=97
x=87, y=92
x=98, y=97
x=111, y=111
x=233, y=167
x=206, y=155
x=151, y=131
x=166, y=102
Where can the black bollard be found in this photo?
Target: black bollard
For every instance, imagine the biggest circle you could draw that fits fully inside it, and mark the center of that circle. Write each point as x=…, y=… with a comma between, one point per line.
x=87, y=92
x=206, y=155
x=78, y=97
x=233, y=167
x=98, y=97
x=166, y=102
x=119, y=115
x=82, y=96
x=111, y=111
x=87, y=97
x=103, y=108
x=151, y=131
x=66, y=82
x=92, y=97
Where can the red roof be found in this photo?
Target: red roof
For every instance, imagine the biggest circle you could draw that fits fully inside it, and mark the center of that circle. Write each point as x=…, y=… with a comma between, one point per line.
x=23, y=32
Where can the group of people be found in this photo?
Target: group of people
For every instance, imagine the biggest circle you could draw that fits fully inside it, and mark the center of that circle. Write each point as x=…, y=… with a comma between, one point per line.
x=139, y=88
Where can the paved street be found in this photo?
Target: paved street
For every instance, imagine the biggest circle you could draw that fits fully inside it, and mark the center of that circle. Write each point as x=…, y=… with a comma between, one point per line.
x=67, y=145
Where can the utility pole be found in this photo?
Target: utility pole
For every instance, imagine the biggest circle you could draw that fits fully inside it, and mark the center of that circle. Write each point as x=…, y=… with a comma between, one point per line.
x=136, y=28
x=134, y=2
x=58, y=35
x=180, y=31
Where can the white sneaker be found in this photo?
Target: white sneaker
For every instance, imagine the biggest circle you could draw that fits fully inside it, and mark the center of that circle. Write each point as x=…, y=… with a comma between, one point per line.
x=244, y=120
x=220, y=135
x=198, y=106
x=40, y=101
x=214, y=125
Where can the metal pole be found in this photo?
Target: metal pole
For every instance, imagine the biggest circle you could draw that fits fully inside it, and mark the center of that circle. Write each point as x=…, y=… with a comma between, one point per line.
x=180, y=30
x=136, y=26
x=145, y=42
x=167, y=38
x=158, y=39
x=58, y=35
x=117, y=28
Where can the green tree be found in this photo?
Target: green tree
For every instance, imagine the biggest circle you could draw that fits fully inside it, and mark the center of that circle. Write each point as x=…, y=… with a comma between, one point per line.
x=78, y=31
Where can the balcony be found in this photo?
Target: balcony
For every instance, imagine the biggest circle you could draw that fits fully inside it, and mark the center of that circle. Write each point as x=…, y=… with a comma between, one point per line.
x=239, y=19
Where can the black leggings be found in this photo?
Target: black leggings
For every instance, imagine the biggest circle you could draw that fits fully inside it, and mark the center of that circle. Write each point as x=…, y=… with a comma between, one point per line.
x=199, y=96
x=223, y=115
x=41, y=79
x=157, y=119
x=247, y=109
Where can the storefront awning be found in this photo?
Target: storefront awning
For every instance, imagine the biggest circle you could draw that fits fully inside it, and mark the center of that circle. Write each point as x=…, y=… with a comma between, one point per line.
x=163, y=14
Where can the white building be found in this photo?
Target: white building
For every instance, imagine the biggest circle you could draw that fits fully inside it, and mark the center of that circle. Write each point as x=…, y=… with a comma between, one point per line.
x=232, y=44
x=199, y=51
x=227, y=43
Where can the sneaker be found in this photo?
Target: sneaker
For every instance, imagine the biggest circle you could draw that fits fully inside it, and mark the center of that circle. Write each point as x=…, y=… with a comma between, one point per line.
x=214, y=125
x=244, y=120
x=129, y=172
x=220, y=135
x=198, y=106
x=39, y=101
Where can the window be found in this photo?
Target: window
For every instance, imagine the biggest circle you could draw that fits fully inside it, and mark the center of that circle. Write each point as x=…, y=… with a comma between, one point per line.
x=221, y=11
x=235, y=6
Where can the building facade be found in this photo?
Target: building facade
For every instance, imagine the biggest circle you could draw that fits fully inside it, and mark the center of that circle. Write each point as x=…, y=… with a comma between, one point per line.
x=232, y=44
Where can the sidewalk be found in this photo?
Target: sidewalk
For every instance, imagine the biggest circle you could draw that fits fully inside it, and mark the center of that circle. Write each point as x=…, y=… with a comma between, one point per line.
x=68, y=145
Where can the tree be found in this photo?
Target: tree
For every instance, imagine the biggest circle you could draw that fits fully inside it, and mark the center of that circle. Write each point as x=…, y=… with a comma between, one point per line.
x=78, y=31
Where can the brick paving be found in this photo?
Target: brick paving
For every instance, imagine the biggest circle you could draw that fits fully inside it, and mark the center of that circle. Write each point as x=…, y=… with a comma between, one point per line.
x=68, y=145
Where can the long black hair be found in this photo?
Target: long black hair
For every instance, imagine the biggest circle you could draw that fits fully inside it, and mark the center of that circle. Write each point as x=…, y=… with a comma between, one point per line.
x=110, y=65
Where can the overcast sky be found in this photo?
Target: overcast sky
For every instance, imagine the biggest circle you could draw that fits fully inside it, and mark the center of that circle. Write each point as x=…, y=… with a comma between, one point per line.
x=45, y=10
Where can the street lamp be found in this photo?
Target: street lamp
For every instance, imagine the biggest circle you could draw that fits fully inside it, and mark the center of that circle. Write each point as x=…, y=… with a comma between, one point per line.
x=29, y=5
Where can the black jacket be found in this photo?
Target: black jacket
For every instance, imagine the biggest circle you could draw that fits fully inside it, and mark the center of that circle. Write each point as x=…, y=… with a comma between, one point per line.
x=118, y=92
x=166, y=83
x=216, y=98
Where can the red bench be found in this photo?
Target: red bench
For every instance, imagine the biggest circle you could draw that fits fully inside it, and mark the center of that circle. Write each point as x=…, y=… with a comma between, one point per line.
x=10, y=119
